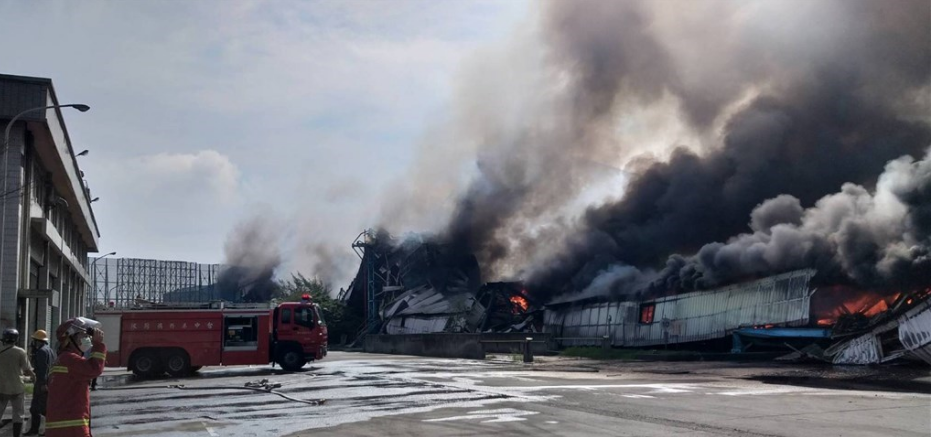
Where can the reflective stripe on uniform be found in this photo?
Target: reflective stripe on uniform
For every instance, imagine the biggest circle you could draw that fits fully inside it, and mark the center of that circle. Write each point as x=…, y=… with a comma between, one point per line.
x=67, y=423
x=59, y=369
x=99, y=355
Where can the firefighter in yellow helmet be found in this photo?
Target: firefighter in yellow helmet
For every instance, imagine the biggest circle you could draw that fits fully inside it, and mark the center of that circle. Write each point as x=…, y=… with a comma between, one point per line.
x=42, y=359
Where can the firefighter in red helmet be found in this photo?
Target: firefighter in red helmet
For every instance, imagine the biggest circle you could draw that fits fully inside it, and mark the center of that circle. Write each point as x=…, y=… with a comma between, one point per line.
x=69, y=404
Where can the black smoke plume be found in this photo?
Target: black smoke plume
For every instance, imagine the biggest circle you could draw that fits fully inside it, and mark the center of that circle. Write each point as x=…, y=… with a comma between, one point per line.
x=252, y=255
x=785, y=102
x=871, y=238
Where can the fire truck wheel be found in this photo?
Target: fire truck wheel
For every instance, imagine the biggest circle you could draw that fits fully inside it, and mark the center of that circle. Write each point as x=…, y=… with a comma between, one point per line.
x=291, y=360
x=177, y=363
x=146, y=364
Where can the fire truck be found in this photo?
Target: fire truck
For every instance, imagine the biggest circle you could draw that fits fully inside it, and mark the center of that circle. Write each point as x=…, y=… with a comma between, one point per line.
x=181, y=338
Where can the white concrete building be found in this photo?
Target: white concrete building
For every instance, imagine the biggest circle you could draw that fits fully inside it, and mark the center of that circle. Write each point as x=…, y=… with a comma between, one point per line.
x=47, y=227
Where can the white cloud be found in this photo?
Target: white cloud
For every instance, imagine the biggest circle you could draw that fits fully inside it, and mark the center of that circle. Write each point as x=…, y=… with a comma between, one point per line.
x=169, y=205
x=206, y=172
x=201, y=110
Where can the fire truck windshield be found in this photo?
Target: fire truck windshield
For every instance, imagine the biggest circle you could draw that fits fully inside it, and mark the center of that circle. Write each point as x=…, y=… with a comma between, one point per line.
x=304, y=317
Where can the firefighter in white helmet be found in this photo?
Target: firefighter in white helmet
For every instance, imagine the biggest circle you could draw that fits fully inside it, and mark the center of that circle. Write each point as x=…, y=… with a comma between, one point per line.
x=69, y=406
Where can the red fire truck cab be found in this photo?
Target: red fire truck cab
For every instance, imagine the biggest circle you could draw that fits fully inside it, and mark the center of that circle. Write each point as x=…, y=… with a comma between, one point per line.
x=181, y=338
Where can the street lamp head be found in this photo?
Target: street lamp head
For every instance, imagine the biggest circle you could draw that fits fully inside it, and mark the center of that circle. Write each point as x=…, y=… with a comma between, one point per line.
x=95, y=199
x=80, y=107
x=83, y=153
x=111, y=253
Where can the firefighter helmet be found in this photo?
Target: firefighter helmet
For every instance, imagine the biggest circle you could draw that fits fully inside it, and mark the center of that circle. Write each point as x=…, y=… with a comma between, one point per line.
x=75, y=326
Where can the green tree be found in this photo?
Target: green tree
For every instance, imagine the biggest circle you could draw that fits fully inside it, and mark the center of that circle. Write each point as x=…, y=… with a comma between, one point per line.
x=291, y=290
x=340, y=320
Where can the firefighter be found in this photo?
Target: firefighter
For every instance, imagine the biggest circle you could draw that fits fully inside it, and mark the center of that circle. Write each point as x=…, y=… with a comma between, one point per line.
x=69, y=405
x=42, y=359
x=13, y=365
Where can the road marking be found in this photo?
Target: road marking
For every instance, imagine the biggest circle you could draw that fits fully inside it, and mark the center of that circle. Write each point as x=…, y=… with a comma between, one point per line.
x=495, y=416
x=639, y=396
x=664, y=388
x=210, y=430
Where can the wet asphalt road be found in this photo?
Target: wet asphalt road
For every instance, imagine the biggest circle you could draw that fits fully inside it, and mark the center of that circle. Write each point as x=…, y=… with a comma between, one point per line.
x=379, y=395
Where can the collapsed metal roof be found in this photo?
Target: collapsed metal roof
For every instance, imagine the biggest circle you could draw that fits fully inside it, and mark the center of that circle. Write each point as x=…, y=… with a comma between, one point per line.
x=416, y=285
x=427, y=300
x=902, y=336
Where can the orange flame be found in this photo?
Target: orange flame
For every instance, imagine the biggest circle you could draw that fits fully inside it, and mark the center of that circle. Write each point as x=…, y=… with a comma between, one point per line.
x=878, y=307
x=840, y=300
x=519, y=302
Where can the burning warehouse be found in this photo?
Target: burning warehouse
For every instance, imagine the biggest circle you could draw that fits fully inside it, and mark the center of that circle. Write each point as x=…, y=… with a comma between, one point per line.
x=423, y=287
x=785, y=307
x=869, y=247
x=640, y=167
x=420, y=286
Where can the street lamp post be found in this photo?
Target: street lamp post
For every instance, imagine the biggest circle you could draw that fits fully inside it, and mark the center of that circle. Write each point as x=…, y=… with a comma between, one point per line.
x=94, y=273
x=6, y=178
x=94, y=262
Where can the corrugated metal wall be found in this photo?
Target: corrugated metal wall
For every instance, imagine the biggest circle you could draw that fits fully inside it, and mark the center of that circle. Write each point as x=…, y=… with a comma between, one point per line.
x=865, y=349
x=417, y=324
x=915, y=331
x=781, y=300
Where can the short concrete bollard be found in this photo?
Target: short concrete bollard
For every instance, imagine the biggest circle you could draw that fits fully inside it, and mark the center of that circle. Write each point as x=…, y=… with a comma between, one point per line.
x=528, y=355
x=606, y=343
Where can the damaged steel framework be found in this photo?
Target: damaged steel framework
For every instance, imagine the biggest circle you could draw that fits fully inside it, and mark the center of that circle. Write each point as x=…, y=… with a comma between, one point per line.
x=415, y=285
x=894, y=334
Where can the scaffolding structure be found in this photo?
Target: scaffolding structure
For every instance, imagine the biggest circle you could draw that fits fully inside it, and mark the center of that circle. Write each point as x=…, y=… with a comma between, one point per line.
x=363, y=246
x=120, y=282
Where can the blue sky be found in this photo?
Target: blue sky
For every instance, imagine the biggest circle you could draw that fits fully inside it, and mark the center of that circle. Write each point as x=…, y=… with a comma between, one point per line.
x=207, y=113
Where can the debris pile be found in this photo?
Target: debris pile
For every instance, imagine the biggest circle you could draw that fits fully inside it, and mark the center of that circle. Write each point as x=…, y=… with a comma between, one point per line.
x=417, y=285
x=900, y=331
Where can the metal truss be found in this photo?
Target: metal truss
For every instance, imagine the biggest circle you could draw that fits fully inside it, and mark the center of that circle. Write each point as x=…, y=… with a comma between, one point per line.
x=124, y=280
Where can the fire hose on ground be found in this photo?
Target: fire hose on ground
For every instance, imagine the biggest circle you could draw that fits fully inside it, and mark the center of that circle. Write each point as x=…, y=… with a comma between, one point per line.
x=261, y=386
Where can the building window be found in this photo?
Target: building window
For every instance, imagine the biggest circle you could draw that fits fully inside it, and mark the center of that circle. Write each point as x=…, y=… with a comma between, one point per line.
x=39, y=187
x=647, y=313
x=286, y=315
x=34, y=275
x=241, y=331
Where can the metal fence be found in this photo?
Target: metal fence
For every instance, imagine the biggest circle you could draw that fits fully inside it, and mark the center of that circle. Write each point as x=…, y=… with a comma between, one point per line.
x=123, y=280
